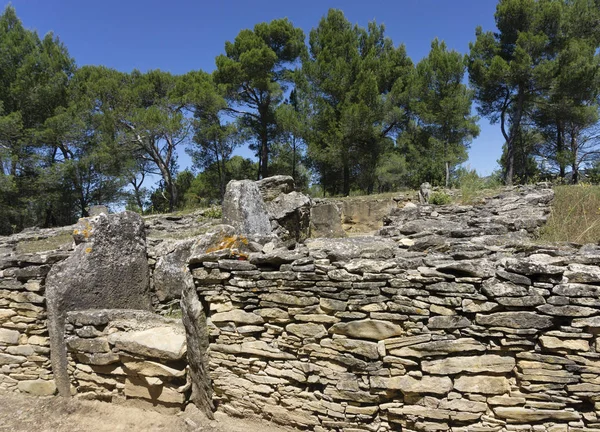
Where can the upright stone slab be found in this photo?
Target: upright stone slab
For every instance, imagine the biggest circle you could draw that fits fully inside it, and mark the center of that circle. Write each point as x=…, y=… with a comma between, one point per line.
x=244, y=208
x=107, y=270
x=194, y=320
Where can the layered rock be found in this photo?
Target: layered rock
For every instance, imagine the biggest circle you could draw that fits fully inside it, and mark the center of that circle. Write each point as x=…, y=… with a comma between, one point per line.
x=481, y=337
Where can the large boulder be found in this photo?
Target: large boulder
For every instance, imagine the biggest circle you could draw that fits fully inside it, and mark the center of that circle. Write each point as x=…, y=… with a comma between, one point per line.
x=170, y=264
x=272, y=187
x=107, y=270
x=244, y=208
x=326, y=221
x=290, y=216
x=289, y=211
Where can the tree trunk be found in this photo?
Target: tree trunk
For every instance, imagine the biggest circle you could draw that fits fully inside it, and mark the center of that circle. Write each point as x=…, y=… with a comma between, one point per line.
x=172, y=189
x=264, y=157
x=560, y=146
x=346, y=183
x=574, y=164
x=294, y=158
x=514, y=131
x=447, y=174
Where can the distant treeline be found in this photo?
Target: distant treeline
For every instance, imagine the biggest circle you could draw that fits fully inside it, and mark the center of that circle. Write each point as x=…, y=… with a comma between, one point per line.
x=349, y=111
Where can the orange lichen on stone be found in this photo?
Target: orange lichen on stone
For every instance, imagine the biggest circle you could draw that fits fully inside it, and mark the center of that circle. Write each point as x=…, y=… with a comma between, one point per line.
x=88, y=250
x=234, y=244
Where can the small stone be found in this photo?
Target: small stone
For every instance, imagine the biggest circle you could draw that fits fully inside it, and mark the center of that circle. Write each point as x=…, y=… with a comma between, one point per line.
x=152, y=369
x=38, y=387
x=526, y=415
x=367, y=329
x=491, y=385
x=516, y=320
x=99, y=345
x=475, y=364
x=237, y=316
x=583, y=273
x=407, y=384
x=552, y=342
x=308, y=330
x=448, y=322
x=10, y=337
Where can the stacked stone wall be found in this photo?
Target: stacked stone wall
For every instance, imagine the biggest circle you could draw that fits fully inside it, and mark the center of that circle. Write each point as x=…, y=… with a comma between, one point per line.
x=116, y=355
x=24, y=346
x=478, y=338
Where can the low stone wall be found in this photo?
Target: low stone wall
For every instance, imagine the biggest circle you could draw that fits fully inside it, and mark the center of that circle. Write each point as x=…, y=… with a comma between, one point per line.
x=24, y=347
x=125, y=354
x=364, y=335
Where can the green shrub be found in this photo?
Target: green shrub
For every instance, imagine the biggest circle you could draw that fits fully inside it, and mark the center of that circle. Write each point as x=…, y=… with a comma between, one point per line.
x=440, y=198
x=473, y=187
x=213, y=213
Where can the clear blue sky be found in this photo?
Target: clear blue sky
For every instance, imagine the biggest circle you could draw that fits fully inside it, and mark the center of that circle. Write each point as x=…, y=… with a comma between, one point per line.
x=179, y=35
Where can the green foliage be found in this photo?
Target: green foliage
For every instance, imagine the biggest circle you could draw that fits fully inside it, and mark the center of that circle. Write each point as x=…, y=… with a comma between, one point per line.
x=349, y=114
x=440, y=198
x=575, y=215
x=473, y=187
x=541, y=68
x=254, y=73
x=214, y=212
x=354, y=80
x=443, y=106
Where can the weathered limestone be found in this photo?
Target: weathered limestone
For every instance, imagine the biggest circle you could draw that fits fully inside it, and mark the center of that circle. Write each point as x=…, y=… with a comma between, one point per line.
x=167, y=343
x=450, y=323
x=145, y=356
x=244, y=208
x=326, y=221
x=475, y=364
x=108, y=269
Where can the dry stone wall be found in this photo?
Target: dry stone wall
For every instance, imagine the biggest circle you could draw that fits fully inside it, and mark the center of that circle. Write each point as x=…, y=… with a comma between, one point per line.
x=125, y=354
x=449, y=319
x=24, y=346
x=479, y=338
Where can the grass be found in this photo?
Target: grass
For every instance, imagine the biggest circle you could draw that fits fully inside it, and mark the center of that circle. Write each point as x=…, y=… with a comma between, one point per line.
x=64, y=238
x=474, y=188
x=575, y=215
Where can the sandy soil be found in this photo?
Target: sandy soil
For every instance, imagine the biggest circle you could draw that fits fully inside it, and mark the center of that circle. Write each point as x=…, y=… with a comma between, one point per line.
x=22, y=413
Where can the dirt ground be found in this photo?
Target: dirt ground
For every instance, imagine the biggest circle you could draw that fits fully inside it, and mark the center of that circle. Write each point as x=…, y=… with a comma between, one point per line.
x=22, y=413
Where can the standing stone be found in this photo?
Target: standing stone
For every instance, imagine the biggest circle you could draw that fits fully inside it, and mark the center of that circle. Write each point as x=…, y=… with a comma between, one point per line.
x=107, y=270
x=292, y=214
x=196, y=330
x=424, y=193
x=167, y=273
x=326, y=221
x=244, y=208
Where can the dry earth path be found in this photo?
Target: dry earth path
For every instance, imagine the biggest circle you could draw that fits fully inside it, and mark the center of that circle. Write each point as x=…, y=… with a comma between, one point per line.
x=22, y=413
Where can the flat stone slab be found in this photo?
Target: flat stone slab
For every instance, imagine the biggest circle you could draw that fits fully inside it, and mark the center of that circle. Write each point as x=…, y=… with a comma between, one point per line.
x=367, y=329
x=38, y=387
x=139, y=388
x=166, y=343
x=475, y=364
x=526, y=415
